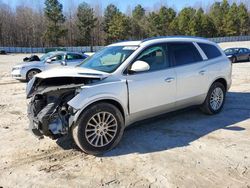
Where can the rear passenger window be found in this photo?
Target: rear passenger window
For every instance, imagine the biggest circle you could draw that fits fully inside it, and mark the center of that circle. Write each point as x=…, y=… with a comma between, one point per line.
x=74, y=56
x=184, y=53
x=211, y=51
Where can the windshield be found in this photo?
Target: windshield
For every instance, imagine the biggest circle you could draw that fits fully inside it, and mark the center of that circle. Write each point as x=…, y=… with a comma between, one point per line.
x=231, y=50
x=109, y=58
x=47, y=56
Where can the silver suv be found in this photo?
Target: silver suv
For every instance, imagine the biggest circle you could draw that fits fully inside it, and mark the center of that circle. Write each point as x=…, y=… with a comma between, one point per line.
x=124, y=83
x=26, y=70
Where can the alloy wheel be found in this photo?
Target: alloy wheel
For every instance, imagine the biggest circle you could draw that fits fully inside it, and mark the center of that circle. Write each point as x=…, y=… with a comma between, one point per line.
x=31, y=74
x=216, y=99
x=101, y=129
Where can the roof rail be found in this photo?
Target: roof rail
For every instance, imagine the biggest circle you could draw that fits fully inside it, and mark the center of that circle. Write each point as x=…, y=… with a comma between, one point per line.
x=174, y=36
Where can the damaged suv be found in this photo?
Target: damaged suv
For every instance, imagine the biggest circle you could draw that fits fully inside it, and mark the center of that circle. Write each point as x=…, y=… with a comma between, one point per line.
x=124, y=83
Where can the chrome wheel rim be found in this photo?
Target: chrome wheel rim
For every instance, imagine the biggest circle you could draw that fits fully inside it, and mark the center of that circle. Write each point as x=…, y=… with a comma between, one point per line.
x=31, y=74
x=216, y=98
x=101, y=129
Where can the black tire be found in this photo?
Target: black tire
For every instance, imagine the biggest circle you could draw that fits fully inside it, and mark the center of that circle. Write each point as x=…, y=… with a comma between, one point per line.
x=234, y=59
x=79, y=129
x=206, y=106
x=34, y=72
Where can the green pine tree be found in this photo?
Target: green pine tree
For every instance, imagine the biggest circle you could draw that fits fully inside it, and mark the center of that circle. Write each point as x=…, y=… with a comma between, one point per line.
x=110, y=11
x=218, y=13
x=55, y=19
x=232, y=21
x=184, y=18
x=244, y=20
x=195, y=25
x=119, y=28
x=138, y=23
x=208, y=27
x=85, y=23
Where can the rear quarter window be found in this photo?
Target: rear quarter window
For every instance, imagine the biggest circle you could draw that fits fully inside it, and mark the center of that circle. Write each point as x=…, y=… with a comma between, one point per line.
x=211, y=51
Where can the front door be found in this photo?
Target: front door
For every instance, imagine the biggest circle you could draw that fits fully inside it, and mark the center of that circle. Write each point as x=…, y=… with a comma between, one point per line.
x=54, y=61
x=152, y=92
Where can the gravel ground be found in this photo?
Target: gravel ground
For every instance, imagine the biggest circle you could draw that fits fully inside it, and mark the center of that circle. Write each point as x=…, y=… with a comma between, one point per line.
x=182, y=149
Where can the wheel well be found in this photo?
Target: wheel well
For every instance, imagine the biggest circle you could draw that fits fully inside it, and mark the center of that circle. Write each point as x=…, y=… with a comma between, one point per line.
x=38, y=70
x=113, y=102
x=35, y=70
x=222, y=81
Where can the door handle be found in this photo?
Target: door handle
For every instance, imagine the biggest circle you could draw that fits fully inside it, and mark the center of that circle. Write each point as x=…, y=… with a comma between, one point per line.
x=168, y=80
x=202, y=72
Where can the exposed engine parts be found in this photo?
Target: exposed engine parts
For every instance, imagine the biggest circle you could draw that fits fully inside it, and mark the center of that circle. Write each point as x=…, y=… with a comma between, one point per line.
x=48, y=110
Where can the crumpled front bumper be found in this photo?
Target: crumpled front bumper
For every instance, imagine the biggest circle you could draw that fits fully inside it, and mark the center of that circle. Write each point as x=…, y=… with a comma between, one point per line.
x=47, y=119
x=33, y=124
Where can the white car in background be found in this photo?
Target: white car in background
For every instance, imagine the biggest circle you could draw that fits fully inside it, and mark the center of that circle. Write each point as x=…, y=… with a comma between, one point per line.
x=124, y=83
x=27, y=70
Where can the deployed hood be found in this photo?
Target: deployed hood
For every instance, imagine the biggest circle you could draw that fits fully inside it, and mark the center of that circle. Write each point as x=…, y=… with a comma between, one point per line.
x=68, y=71
x=63, y=78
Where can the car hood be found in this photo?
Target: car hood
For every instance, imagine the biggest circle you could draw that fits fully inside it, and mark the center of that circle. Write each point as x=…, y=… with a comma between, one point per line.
x=25, y=64
x=62, y=78
x=68, y=71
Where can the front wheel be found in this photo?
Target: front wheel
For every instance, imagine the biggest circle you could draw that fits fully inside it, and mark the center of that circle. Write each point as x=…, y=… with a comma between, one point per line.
x=215, y=99
x=31, y=74
x=98, y=129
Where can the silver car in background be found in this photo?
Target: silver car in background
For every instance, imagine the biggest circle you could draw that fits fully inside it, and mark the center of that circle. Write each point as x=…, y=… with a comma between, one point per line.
x=124, y=83
x=26, y=70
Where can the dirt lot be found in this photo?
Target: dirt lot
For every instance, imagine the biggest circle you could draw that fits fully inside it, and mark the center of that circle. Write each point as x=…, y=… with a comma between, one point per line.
x=184, y=149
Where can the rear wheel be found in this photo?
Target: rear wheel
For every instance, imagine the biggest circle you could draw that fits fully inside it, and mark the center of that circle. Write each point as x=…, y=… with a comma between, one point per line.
x=31, y=74
x=234, y=59
x=215, y=99
x=99, y=128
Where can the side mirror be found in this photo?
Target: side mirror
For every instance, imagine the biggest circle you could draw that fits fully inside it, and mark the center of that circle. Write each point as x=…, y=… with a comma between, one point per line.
x=140, y=66
x=48, y=61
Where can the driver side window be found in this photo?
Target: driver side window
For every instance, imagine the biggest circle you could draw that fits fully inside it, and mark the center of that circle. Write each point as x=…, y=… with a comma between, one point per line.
x=58, y=57
x=156, y=56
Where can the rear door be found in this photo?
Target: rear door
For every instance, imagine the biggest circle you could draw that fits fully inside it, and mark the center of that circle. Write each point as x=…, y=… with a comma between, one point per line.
x=192, y=78
x=247, y=53
x=241, y=54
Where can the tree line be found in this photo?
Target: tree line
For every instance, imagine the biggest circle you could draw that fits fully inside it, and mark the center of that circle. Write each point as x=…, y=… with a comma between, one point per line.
x=89, y=26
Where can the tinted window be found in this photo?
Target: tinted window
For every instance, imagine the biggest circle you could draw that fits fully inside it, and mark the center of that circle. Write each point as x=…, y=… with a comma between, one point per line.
x=211, y=51
x=246, y=50
x=241, y=50
x=74, y=56
x=57, y=57
x=156, y=56
x=184, y=53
